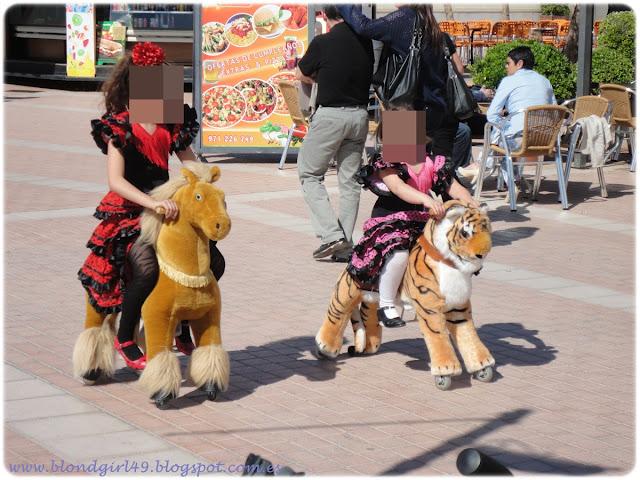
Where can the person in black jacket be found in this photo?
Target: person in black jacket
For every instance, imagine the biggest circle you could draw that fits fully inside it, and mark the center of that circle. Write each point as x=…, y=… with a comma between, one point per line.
x=395, y=30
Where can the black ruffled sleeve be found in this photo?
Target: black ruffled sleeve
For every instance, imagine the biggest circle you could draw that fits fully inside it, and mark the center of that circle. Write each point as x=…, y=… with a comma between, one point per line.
x=182, y=134
x=368, y=176
x=443, y=175
x=113, y=127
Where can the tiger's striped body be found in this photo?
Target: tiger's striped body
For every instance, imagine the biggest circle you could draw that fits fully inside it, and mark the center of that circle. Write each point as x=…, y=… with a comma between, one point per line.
x=440, y=290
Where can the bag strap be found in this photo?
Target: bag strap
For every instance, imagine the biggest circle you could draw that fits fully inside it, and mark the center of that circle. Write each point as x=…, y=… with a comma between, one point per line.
x=445, y=48
x=418, y=33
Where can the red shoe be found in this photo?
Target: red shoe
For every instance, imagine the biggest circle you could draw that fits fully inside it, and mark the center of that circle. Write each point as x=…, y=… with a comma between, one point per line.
x=138, y=364
x=186, y=348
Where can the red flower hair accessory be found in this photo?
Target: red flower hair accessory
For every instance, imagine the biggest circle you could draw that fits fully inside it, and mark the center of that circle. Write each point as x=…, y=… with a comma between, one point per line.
x=147, y=54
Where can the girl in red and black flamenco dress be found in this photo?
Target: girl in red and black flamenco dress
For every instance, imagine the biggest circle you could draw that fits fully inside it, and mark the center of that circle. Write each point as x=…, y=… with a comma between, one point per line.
x=119, y=274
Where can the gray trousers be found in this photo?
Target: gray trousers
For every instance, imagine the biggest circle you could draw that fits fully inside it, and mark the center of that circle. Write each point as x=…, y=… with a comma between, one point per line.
x=340, y=133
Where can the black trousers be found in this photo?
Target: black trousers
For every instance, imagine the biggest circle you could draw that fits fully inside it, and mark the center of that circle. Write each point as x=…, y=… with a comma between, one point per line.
x=441, y=128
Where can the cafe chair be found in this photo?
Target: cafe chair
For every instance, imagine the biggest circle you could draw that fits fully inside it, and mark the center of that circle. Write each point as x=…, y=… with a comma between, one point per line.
x=548, y=31
x=460, y=36
x=540, y=138
x=583, y=107
x=479, y=33
x=622, y=118
x=501, y=32
x=291, y=92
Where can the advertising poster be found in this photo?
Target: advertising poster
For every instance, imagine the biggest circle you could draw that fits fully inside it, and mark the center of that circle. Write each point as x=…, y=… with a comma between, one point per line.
x=244, y=50
x=81, y=40
x=112, y=39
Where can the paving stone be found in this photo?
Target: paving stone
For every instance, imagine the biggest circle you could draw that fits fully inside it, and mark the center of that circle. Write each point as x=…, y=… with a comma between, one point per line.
x=44, y=407
x=82, y=424
x=23, y=389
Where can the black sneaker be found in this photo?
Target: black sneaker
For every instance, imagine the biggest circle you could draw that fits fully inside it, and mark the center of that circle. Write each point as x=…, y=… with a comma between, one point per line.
x=329, y=248
x=343, y=256
x=394, y=322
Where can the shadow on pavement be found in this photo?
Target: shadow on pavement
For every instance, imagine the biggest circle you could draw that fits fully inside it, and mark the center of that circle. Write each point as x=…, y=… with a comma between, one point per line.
x=509, y=343
x=536, y=464
x=458, y=442
x=508, y=236
x=257, y=366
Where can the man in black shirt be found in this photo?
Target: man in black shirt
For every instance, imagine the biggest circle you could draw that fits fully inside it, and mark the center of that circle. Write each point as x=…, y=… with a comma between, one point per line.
x=341, y=62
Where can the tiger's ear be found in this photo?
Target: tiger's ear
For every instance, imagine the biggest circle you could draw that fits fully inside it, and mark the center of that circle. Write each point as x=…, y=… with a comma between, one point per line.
x=215, y=173
x=484, y=208
x=189, y=175
x=454, y=212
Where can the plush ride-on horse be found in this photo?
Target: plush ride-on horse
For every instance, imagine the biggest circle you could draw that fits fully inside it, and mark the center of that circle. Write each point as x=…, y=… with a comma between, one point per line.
x=438, y=282
x=186, y=290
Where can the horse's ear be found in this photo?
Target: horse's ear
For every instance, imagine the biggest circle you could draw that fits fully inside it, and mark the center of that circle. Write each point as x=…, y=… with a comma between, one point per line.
x=215, y=173
x=189, y=175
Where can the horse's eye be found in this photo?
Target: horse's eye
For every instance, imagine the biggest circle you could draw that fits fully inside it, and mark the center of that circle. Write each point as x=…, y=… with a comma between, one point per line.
x=198, y=197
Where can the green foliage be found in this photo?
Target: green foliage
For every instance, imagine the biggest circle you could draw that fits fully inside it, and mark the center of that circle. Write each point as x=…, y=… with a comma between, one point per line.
x=611, y=66
x=618, y=32
x=550, y=62
x=556, y=9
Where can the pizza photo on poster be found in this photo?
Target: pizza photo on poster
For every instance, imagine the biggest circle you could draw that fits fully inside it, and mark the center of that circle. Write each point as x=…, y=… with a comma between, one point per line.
x=261, y=98
x=222, y=107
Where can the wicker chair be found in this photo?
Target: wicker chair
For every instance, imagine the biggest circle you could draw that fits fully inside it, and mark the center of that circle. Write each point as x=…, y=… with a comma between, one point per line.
x=500, y=33
x=460, y=35
x=622, y=118
x=549, y=34
x=540, y=137
x=563, y=32
x=584, y=107
x=291, y=94
x=522, y=28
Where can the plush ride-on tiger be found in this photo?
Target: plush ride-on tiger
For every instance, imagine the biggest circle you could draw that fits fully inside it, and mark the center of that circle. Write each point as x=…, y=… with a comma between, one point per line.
x=438, y=282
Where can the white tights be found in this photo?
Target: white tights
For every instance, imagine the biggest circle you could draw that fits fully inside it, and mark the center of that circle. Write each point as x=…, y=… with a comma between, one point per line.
x=391, y=277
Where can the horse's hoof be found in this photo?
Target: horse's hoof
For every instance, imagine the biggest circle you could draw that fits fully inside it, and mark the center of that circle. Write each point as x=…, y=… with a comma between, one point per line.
x=211, y=389
x=91, y=376
x=162, y=399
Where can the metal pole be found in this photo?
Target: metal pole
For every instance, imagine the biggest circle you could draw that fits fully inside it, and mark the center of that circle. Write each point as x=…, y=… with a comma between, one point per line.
x=585, y=42
x=196, y=84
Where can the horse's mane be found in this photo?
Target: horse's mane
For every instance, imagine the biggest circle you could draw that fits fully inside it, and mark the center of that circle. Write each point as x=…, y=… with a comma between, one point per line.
x=150, y=222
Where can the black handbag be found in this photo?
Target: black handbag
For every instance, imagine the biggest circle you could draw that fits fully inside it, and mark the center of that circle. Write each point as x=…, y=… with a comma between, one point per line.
x=460, y=101
x=397, y=78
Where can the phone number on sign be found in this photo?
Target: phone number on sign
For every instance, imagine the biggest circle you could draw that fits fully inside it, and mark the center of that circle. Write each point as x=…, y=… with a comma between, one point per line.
x=230, y=138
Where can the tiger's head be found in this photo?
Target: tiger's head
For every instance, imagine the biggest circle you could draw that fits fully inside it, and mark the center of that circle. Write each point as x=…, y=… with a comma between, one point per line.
x=463, y=235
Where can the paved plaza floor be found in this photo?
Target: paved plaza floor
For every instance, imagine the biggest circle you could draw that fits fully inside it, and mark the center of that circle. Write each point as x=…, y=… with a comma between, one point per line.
x=555, y=304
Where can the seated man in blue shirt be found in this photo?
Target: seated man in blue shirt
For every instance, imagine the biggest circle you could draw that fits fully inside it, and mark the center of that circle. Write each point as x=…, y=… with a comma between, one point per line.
x=520, y=89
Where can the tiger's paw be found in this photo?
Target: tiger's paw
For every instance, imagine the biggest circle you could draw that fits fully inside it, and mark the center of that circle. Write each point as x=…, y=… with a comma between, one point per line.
x=325, y=351
x=481, y=363
x=446, y=369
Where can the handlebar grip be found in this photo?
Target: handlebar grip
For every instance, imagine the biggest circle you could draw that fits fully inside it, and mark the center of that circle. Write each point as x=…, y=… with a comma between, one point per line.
x=160, y=210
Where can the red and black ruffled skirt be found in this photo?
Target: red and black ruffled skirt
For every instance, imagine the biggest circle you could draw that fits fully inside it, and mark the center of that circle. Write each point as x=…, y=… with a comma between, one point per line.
x=104, y=271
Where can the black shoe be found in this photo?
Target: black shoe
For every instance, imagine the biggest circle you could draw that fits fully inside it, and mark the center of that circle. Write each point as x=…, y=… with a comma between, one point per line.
x=394, y=322
x=327, y=249
x=342, y=257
